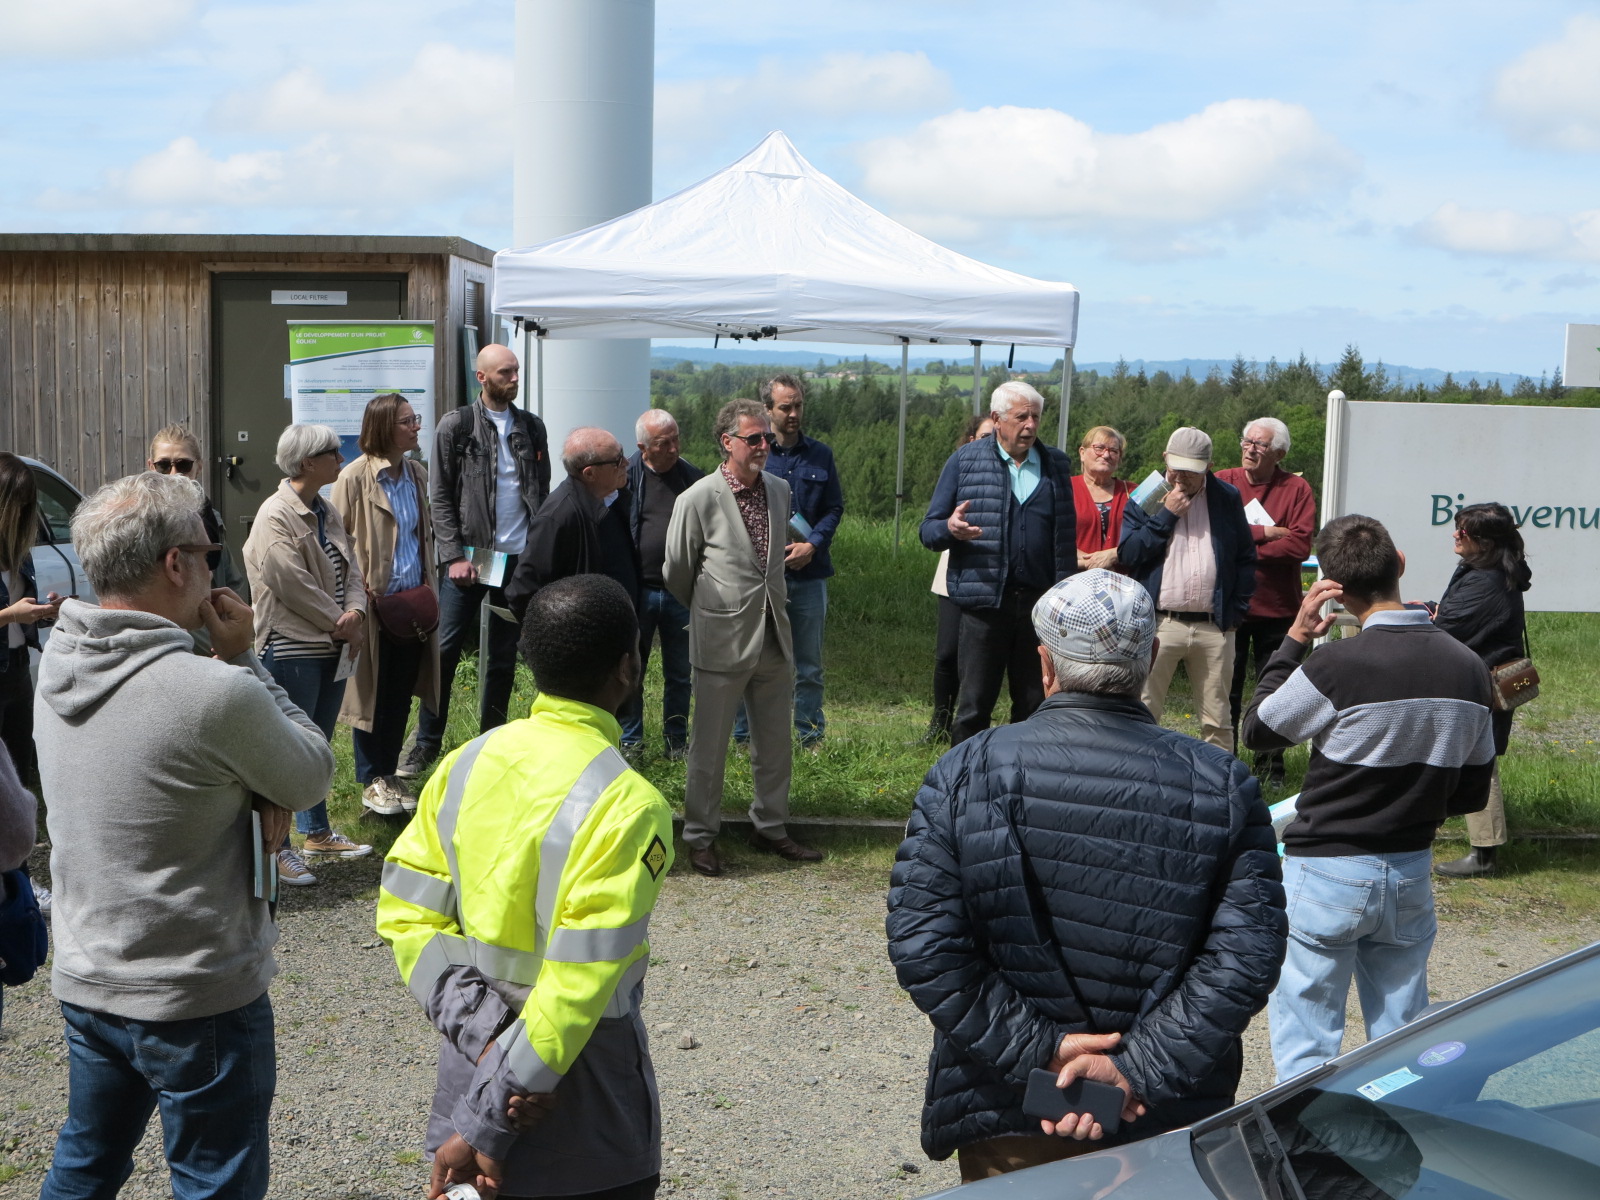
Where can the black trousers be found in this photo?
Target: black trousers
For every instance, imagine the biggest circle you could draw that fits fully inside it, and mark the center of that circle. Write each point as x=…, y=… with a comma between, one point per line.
x=946, y=668
x=16, y=712
x=1260, y=636
x=997, y=643
x=643, y=1189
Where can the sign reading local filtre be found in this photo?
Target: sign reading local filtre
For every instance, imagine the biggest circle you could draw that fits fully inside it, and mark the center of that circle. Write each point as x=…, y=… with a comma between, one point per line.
x=337, y=367
x=1414, y=466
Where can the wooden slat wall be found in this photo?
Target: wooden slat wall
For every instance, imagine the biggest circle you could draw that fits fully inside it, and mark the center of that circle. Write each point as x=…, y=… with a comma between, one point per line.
x=100, y=350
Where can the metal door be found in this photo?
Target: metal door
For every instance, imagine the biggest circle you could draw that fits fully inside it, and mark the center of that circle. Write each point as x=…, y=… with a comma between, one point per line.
x=250, y=355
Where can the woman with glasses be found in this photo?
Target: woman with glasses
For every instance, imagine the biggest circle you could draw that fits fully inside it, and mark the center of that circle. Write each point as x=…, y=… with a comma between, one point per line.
x=311, y=607
x=1482, y=608
x=1099, y=497
x=20, y=610
x=382, y=500
x=176, y=451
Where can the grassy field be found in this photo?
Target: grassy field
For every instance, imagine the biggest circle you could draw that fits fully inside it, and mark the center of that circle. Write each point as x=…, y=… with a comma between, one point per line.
x=881, y=624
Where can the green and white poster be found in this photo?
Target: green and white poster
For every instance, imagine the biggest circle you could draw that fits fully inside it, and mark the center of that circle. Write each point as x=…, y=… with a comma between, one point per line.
x=337, y=367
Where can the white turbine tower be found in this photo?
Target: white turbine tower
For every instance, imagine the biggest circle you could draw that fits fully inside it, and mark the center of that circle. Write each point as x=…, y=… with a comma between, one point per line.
x=583, y=110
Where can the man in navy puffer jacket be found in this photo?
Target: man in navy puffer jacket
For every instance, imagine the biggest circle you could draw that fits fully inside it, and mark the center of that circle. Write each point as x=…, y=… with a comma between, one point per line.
x=1086, y=839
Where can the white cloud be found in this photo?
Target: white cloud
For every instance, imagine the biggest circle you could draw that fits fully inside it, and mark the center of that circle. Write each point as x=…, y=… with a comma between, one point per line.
x=837, y=84
x=1235, y=163
x=399, y=140
x=1503, y=232
x=1550, y=95
x=90, y=28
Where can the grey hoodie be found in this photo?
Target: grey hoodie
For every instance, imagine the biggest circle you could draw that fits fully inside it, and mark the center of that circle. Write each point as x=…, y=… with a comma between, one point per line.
x=148, y=756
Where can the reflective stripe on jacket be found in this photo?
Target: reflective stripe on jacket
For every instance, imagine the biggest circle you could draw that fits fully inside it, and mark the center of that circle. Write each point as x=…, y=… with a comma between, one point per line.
x=517, y=901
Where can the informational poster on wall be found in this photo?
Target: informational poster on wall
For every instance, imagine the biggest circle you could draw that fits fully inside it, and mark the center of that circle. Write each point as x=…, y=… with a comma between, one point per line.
x=1414, y=466
x=337, y=367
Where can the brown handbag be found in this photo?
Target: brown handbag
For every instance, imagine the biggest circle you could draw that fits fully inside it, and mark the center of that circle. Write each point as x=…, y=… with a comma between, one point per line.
x=408, y=616
x=1515, y=683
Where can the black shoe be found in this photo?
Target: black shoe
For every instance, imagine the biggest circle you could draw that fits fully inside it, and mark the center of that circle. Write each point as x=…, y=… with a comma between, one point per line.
x=934, y=735
x=416, y=762
x=1478, y=861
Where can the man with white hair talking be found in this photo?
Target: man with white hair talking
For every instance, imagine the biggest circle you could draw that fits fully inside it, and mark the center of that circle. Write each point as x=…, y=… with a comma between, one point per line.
x=1282, y=525
x=1088, y=893
x=1003, y=508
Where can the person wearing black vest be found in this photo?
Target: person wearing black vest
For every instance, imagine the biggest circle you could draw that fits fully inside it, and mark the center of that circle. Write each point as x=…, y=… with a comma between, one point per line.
x=1004, y=510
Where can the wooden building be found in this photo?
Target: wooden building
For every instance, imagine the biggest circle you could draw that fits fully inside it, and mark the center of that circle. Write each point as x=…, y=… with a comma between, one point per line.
x=106, y=338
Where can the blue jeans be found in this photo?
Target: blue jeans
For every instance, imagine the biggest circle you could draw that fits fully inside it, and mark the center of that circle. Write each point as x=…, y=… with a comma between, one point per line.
x=309, y=683
x=458, y=630
x=378, y=751
x=213, y=1078
x=660, y=613
x=1371, y=915
x=808, y=613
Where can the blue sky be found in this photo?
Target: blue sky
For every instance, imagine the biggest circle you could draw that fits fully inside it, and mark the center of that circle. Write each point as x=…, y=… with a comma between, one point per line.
x=1416, y=176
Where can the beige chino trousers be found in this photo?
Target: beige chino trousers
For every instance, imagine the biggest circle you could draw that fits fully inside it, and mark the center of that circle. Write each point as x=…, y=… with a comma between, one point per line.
x=1207, y=655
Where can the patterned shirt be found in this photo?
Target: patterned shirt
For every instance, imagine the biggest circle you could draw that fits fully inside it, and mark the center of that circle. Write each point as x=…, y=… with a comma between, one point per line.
x=752, y=502
x=406, y=570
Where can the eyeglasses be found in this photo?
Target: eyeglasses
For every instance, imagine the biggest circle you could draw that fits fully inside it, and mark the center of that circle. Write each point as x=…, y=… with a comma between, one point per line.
x=207, y=548
x=1245, y=443
x=413, y=420
x=1099, y=449
x=620, y=460
x=168, y=465
x=754, y=440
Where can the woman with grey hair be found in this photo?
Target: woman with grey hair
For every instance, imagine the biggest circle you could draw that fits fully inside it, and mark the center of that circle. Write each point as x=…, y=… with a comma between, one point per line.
x=310, y=605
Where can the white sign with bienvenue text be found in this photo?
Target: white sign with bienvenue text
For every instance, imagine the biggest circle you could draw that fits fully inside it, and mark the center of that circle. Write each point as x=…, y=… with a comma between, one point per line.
x=1413, y=466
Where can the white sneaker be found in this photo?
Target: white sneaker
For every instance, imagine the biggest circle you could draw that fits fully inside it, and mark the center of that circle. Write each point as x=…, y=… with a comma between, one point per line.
x=292, y=869
x=335, y=843
x=380, y=797
x=402, y=793
x=42, y=895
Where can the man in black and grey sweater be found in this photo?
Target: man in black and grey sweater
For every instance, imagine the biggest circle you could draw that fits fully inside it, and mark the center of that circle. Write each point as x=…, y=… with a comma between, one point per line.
x=1398, y=719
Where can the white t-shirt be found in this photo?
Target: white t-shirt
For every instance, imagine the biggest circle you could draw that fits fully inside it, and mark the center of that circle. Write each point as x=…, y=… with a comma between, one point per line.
x=510, y=517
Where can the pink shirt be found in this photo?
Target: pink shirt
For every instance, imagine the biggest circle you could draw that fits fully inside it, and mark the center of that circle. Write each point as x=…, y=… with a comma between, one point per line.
x=1189, y=578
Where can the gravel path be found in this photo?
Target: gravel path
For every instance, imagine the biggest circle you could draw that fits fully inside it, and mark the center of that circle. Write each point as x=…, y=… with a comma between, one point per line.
x=805, y=1079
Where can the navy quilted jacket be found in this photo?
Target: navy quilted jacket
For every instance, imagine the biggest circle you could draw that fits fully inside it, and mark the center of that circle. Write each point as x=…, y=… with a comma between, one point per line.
x=977, y=574
x=1154, y=856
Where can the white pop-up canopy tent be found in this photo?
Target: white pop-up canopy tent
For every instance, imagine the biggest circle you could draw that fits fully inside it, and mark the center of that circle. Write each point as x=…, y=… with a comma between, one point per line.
x=772, y=248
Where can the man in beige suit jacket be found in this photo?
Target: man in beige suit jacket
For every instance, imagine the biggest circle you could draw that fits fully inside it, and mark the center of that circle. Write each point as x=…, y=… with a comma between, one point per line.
x=724, y=563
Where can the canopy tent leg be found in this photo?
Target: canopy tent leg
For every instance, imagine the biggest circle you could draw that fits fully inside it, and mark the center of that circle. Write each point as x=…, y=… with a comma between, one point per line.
x=977, y=376
x=1066, y=395
x=538, y=369
x=527, y=360
x=900, y=464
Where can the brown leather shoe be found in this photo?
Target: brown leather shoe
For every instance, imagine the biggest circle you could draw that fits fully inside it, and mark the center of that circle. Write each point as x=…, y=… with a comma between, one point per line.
x=785, y=847
x=705, y=860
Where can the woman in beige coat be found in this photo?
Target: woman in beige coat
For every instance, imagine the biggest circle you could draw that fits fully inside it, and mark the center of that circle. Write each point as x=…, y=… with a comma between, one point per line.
x=311, y=609
x=383, y=498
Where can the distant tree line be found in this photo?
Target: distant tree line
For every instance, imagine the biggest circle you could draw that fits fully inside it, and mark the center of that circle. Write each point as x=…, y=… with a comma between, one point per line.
x=858, y=416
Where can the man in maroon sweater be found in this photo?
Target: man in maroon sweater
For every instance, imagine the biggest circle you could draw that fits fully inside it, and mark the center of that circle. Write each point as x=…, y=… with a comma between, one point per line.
x=1281, y=549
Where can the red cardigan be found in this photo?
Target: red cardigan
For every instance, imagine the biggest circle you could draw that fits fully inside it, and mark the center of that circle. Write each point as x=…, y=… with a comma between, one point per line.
x=1089, y=537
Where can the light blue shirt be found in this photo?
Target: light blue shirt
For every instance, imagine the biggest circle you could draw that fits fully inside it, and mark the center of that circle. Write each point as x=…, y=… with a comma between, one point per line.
x=1024, y=476
x=406, y=570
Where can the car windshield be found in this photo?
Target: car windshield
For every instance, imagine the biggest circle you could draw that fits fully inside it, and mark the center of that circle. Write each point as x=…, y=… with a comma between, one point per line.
x=1500, y=1100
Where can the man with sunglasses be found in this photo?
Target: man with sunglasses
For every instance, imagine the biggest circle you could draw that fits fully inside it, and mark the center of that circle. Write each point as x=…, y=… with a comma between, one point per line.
x=490, y=474
x=583, y=528
x=725, y=562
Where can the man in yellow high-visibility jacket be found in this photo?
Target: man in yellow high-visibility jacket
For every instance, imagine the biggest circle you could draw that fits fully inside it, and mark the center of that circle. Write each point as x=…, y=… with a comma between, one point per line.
x=516, y=903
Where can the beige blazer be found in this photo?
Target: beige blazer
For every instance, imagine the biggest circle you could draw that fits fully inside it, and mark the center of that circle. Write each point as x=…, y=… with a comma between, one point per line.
x=291, y=580
x=711, y=570
x=364, y=506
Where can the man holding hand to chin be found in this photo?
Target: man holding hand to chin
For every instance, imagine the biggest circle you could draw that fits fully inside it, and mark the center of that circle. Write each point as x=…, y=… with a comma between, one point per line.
x=152, y=759
x=1087, y=892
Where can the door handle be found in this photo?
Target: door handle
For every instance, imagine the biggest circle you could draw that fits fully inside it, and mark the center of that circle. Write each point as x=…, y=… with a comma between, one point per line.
x=229, y=462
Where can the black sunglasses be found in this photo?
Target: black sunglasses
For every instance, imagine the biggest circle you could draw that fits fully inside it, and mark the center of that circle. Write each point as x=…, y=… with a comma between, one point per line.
x=168, y=465
x=754, y=440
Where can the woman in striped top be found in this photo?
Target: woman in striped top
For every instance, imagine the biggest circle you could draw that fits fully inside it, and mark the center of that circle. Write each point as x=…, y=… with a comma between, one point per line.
x=310, y=606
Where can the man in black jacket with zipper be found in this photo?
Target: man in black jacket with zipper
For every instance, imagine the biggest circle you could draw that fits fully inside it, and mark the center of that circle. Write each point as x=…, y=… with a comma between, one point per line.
x=1088, y=893
x=489, y=475
x=657, y=475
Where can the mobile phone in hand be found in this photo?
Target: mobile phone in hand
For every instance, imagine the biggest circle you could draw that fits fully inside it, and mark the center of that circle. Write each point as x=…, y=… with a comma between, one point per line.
x=1045, y=1100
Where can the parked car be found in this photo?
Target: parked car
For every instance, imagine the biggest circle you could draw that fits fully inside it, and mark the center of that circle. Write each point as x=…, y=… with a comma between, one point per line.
x=1497, y=1095
x=55, y=562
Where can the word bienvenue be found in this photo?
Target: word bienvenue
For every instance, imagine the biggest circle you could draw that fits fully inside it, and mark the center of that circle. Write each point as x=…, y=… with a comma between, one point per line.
x=1545, y=516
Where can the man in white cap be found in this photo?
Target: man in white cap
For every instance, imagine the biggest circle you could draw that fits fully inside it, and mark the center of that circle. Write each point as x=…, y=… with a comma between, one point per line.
x=1086, y=892
x=1197, y=557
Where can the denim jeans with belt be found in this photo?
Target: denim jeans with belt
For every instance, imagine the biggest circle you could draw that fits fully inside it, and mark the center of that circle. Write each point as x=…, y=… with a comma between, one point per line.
x=213, y=1079
x=1368, y=915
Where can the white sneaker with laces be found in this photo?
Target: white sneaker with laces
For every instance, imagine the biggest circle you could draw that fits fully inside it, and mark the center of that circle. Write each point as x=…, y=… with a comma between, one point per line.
x=292, y=869
x=335, y=843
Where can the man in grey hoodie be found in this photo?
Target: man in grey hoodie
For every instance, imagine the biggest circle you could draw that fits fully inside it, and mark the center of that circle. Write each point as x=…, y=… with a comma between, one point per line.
x=151, y=760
